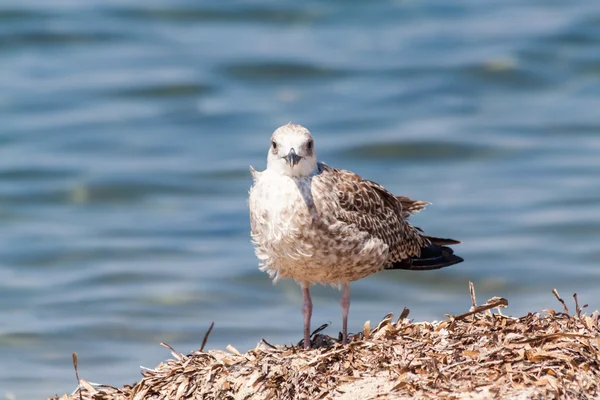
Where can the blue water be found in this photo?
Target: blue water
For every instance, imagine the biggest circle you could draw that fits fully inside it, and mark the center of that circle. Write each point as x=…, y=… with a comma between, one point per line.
x=127, y=129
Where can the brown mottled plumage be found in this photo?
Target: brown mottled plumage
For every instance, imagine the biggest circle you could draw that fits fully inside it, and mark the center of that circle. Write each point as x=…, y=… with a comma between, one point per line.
x=373, y=209
x=318, y=224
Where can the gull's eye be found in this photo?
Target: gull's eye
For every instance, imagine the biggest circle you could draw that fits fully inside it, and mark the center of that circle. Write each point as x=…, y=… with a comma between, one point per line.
x=274, y=145
x=310, y=145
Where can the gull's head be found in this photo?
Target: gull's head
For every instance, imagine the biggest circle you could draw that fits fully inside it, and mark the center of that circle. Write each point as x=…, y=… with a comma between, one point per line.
x=292, y=151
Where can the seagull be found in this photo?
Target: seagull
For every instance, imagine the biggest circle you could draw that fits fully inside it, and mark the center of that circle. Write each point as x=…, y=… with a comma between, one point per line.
x=318, y=224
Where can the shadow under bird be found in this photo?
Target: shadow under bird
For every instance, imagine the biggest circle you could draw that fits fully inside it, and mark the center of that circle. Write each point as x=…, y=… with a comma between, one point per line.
x=318, y=224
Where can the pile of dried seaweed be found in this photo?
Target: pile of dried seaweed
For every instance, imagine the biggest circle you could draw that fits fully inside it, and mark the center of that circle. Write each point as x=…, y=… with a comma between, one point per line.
x=479, y=354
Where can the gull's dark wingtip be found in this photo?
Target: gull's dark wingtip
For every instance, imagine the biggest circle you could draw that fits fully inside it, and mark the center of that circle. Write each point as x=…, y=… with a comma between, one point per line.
x=432, y=257
x=442, y=241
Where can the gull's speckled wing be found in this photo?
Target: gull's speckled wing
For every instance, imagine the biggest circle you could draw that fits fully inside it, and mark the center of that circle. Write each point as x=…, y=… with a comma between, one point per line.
x=373, y=209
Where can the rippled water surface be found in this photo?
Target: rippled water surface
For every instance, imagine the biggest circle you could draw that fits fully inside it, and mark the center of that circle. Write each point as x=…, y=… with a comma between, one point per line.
x=127, y=129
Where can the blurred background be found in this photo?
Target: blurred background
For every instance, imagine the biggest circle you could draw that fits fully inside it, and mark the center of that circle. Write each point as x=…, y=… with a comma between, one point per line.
x=127, y=129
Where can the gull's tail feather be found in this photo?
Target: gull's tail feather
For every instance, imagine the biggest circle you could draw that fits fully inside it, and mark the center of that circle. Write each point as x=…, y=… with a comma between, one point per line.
x=432, y=257
x=410, y=206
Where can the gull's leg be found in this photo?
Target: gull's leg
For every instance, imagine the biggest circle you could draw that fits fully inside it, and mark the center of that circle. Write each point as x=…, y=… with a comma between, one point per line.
x=345, y=303
x=307, y=312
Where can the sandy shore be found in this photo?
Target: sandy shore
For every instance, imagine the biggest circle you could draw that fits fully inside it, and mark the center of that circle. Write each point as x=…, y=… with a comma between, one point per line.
x=479, y=354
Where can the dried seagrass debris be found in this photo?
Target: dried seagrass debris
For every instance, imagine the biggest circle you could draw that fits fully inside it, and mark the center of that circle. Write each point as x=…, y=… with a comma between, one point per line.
x=478, y=354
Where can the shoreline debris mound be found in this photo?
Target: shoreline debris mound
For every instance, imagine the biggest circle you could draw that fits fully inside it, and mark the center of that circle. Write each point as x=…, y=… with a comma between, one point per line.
x=479, y=354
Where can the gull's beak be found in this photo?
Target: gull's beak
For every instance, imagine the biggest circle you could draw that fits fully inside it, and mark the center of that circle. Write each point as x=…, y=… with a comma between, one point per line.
x=292, y=158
